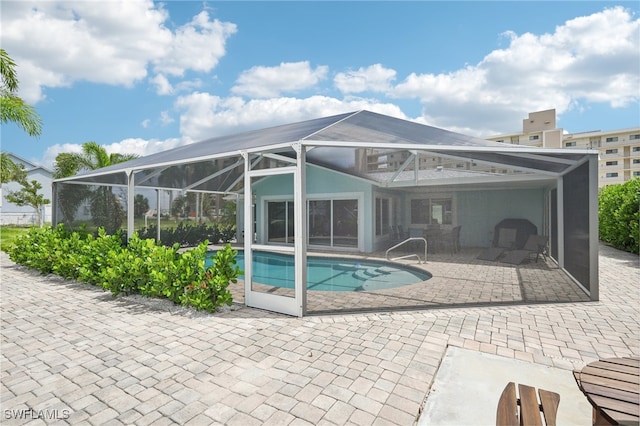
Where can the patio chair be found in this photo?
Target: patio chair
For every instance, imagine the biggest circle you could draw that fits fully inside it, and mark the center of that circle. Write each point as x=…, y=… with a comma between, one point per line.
x=506, y=241
x=451, y=240
x=413, y=233
x=536, y=244
x=525, y=410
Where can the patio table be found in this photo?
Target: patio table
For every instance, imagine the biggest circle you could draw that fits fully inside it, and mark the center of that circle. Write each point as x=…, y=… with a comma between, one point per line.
x=612, y=386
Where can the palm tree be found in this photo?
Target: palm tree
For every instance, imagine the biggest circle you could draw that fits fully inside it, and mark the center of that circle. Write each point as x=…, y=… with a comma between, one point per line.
x=12, y=107
x=93, y=157
x=106, y=209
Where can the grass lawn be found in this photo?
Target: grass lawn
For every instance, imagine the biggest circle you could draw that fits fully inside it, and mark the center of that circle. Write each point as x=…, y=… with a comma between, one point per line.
x=8, y=233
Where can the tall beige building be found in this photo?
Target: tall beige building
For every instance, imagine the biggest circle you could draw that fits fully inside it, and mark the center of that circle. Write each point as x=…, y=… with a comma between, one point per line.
x=619, y=158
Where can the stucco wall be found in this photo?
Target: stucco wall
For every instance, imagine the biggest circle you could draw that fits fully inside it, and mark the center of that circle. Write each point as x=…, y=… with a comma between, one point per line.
x=320, y=183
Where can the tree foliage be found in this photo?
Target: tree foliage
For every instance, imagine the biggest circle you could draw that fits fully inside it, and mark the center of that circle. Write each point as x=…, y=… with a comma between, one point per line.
x=106, y=209
x=12, y=108
x=92, y=157
x=140, y=205
x=9, y=170
x=28, y=196
x=619, y=216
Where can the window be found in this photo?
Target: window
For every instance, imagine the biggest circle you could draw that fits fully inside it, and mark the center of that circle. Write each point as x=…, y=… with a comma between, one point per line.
x=636, y=161
x=320, y=222
x=419, y=211
x=570, y=144
x=534, y=138
x=280, y=222
x=333, y=223
x=612, y=139
x=382, y=216
x=634, y=137
x=636, y=173
x=611, y=151
x=636, y=149
x=612, y=163
x=612, y=175
x=431, y=211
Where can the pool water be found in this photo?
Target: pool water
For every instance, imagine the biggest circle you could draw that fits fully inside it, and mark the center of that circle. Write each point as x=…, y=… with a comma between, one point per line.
x=330, y=273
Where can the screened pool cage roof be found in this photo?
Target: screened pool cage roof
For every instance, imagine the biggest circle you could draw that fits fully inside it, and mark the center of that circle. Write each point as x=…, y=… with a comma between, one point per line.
x=384, y=150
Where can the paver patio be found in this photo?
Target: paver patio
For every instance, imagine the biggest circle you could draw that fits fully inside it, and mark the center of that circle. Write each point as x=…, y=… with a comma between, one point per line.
x=458, y=279
x=78, y=354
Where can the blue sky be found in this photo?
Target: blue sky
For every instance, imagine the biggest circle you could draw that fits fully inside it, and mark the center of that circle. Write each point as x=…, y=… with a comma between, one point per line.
x=142, y=76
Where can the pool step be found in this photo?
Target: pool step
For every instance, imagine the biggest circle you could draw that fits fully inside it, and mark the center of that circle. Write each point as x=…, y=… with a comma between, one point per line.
x=367, y=274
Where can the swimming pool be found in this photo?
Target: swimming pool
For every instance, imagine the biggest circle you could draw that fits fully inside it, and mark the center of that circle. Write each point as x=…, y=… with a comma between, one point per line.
x=330, y=273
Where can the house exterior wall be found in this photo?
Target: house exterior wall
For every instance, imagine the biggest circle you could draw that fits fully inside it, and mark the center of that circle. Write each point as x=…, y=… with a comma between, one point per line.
x=16, y=215
x=321, y=184
x=478, y=212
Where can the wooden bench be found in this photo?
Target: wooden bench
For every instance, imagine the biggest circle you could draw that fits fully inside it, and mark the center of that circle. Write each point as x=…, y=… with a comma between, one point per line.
x=528, y=414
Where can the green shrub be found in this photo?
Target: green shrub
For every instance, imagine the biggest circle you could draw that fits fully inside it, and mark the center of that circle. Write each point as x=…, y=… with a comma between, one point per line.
x=210, y=288
x=190, y=235
x=36, y=248
x=141, y=267
x=95, y=255
x=619, y=217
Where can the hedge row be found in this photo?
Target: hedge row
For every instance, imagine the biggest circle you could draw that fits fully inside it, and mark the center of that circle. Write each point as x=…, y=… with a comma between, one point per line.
x=141, y=267
x=191, y=235
x=619, y=217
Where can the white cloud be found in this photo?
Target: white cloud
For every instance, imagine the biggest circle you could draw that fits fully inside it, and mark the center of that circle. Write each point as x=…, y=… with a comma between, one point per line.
x=162, y=85
x=165, y=118
x=145, y=123
x=112, y=42
x=198, y=46
x=205, y=116
x=374, y=78
x=588, y=59
x=269, y=82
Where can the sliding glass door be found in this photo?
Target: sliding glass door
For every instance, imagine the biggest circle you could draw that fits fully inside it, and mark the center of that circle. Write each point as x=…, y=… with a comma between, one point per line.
x=334, y=223
x=345, y=223
x=280, y=223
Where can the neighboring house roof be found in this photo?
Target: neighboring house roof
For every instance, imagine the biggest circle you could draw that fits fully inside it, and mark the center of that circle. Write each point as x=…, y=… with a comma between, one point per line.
x=28, y=165
x=361, y=129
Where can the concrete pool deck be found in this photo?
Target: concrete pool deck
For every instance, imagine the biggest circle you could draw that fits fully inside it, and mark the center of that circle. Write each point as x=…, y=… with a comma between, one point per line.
x=71, y=351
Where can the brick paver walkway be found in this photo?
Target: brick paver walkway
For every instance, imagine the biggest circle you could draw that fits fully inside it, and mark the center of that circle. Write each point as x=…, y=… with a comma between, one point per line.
x=73, y=352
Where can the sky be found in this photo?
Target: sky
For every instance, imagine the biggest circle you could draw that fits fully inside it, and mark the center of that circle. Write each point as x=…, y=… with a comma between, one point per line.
x=140, y=76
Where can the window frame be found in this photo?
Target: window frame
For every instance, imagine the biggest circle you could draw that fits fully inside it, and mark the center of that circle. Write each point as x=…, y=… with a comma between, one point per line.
x=382, y=228
x=427, y=200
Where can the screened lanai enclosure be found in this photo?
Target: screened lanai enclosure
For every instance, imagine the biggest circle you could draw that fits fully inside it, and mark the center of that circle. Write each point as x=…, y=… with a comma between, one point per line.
x=366, y=211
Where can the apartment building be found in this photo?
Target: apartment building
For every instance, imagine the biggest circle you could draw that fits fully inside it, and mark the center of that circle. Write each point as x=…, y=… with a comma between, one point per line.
x=619, y=158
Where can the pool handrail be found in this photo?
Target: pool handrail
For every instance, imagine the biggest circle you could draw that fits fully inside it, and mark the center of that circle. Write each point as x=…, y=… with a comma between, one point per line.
x=386, y=255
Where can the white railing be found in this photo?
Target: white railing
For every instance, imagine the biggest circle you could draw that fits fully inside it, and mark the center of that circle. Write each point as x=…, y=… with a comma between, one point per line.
x=400, y=244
